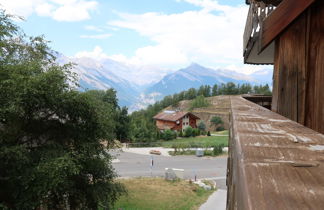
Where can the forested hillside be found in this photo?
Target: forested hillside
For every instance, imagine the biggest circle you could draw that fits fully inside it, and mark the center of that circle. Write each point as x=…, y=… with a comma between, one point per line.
x=142, y=127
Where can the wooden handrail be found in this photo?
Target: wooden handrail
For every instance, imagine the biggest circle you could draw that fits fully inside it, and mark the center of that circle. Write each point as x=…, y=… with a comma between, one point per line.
x=274, y=163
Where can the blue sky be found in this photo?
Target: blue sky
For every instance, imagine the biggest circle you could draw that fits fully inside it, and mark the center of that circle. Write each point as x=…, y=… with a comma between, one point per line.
x=168, y=34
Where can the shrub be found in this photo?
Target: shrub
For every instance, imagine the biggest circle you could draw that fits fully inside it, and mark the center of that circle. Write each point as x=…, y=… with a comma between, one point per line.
x=188, y=131
x=180, y=134
x=208, y=133
x=168, y=135
x=201, y=126
x=195, y=132
x=217, y=150
x=216, y=121
x=220, y=128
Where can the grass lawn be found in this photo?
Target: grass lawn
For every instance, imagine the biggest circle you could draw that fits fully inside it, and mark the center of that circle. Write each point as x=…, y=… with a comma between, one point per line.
x=204, y=141
x=159, y=194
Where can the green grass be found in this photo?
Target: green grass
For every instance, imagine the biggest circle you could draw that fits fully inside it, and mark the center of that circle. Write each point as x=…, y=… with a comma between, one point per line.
x=159, y=194
x=204, y=141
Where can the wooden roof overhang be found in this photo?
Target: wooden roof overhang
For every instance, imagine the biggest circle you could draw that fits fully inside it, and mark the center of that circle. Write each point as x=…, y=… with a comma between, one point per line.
x=281, y=18
x=259, y=45
x=274, y=163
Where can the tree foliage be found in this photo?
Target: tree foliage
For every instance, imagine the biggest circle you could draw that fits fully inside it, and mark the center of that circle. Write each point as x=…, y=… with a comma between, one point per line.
x=199, y=102
x=50, y=134
x=168, y=135
x=142, y=125
x=216, y=121
x=201, y=126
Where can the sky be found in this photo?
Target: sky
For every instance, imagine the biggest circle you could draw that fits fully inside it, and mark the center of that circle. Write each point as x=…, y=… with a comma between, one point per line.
x=167, y=34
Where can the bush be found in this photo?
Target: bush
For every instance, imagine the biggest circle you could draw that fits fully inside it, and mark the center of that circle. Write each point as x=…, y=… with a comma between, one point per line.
x=220, y=128
x=195, y=132
x=168, y=135
x=216, y=121
x=188, y=131
x=180, y=134
x=208, y=133
x=201, y=126
x=218, y=149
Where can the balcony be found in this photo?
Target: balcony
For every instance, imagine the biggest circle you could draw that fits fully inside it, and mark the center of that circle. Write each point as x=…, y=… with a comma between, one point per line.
x=273, y=163
x=258, y=12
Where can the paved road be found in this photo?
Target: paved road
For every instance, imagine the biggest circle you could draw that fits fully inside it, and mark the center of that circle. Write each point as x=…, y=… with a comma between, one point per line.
x=134, y=165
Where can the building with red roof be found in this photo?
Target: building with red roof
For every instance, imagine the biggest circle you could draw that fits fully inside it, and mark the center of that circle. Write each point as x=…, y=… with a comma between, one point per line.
x=174, y=120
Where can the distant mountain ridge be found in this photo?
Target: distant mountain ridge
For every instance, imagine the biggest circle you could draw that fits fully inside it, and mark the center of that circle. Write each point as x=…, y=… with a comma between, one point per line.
x=94, y=74
x=194, y=76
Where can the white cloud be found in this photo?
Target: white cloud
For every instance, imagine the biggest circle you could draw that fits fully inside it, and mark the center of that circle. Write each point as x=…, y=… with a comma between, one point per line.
x=97, y=36
x=93, y=28
x=207, y=5
x=60, y=10
x=210, y=36
x=96, y=54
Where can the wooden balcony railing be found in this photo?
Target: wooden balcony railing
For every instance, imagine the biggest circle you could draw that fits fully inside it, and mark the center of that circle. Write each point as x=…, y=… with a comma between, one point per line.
x=273, y=163
x=258, y=11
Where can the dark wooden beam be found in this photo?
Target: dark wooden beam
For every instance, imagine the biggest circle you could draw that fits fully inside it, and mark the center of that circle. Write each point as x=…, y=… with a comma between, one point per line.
x=280, y=18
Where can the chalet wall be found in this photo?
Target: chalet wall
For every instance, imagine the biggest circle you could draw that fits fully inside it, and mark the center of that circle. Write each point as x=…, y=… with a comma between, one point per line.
x=298, y=88
x=165, y=124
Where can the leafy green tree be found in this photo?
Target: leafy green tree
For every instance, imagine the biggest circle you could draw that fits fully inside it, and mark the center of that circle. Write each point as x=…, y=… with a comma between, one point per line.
x=202, y=126
x=180, y=133
x=199, y=102
x=123, y=124
x=168, y=135
x=191, y=94
x=51, y=153
x=215, y=90
x=216, y=121
x=195, y=132
x=188, y=131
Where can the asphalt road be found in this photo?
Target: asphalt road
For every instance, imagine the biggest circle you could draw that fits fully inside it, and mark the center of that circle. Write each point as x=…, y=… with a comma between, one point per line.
x=135, y=165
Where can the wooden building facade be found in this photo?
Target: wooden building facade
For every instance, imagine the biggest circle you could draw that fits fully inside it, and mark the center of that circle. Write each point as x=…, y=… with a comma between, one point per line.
x=291, y=36
x=177, y=121
x=276, y=158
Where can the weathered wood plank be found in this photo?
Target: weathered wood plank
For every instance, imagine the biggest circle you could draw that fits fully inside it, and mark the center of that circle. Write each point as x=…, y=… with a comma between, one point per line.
x=280, y=18
x=275, y=163
x=290, y=61
x=315, y=74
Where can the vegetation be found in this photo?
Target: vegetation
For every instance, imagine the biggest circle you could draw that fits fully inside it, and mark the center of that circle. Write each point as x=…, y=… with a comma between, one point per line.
x=195, y=142
x=201, y=126
x=216, y=121
x=168, y=135
x=142, y=126
x=199, y=102
x=51, y=135
x=188, y=131
x=159, y=194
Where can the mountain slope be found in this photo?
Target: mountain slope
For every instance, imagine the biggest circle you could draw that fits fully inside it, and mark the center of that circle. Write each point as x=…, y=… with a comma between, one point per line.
x=93, y=75
x=193, y=77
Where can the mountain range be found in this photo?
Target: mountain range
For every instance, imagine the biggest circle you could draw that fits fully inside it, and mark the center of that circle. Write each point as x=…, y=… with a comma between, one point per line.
x=138, y=87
